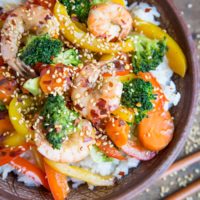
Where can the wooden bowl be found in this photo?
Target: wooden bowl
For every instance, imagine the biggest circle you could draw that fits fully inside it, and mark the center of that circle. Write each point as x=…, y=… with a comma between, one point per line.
x=147, y=172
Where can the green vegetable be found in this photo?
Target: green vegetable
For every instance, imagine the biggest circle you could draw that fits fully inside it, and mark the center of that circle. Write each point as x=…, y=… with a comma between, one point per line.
x=2, y=106
x=95, y=2
x=33, y=86
x=148, y=53
x=68, y=57
x=58, y=120
x=40, y=49
x=138, y=94
x=98, y=156
x=80, y=8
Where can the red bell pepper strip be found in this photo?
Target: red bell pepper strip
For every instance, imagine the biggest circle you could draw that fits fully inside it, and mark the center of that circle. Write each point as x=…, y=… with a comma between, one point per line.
x=137, y=151
x=57, y=183
x=109, y=150
x=8, y=154
x=30, y=170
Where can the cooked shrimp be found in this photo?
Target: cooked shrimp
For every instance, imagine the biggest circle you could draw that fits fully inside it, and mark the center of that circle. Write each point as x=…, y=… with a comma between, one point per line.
x=22, y=20
x=74, y=149
x=95, y=96
x=110, y=21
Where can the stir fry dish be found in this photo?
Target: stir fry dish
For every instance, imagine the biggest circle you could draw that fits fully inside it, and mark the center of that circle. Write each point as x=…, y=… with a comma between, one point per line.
x=85, y=91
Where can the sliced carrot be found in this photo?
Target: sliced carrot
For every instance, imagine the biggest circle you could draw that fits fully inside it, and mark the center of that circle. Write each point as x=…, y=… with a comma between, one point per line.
x=160, y=96
x=109, y=150
x=54, y=78
x=30, y=170
x=117, y=130
x=57, y=183
x=8, y=154
x=5, y=123
x=156, y=131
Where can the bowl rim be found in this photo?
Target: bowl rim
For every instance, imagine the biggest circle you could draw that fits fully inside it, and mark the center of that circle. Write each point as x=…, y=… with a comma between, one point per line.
x=164, y=165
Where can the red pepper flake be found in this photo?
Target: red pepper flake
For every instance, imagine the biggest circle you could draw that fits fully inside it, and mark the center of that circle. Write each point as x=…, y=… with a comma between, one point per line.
x=15, y=153
x=101, y=103
x=147, y=10
x=3, y=153
x=94, y=114
x=47, y=82
x=78, y=107
x=121, y=173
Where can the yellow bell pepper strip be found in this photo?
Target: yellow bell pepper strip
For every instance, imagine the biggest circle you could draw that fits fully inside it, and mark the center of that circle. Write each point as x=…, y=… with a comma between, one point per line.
x=124, y=114
x=17, y=105
x=175, y=55
x=121, y=2
x=127, y=78
x=80, y=25
x=85, y=40
x=57, y=183
x=7, y=154
x=107, y=57
x=81, y=174
x=14, y=140
x=30, y=170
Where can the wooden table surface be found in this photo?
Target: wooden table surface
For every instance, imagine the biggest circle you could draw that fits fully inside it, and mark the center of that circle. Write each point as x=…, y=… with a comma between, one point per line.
x=190, y=10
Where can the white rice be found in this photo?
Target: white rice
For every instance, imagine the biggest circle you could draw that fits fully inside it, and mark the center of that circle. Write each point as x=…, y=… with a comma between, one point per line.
x=163, y=74
x=115, y=168
x=145, y=12
x=6, y=169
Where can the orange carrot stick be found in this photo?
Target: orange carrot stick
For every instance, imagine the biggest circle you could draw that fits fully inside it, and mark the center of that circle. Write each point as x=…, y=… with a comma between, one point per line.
x=117, y=130
x=57, y=182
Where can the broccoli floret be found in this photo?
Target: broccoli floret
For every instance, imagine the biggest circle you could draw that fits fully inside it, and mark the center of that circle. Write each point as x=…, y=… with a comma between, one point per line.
x=40, y=49
x=69, y=57
x=138, y=94
x=58, y=120
x=2, y=107
x=148, y=53
x=80, y=8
